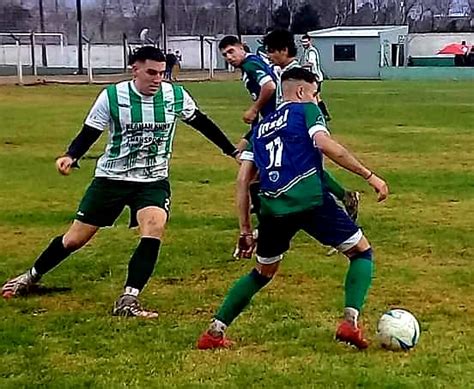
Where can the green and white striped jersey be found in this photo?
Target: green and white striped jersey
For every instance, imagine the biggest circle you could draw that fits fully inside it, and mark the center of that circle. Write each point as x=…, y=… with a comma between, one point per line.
x=141, y=130
x=279, y=90
x=311, y=56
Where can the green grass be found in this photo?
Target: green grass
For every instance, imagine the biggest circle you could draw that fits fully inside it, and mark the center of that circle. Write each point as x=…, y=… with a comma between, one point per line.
x=418, y=135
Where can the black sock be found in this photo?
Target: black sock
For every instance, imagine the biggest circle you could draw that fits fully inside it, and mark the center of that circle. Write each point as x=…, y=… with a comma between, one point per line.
x=142, y=263
x=54, y=254
x=323, y=108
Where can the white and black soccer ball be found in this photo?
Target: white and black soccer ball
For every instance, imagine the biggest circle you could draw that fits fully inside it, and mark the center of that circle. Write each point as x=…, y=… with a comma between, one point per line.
x=398, y=330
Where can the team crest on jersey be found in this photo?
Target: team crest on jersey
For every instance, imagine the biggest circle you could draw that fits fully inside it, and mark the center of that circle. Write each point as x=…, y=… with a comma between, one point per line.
x=274, y=176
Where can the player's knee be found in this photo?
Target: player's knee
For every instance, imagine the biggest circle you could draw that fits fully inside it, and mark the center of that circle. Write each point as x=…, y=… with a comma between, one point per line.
x=366, y=254
x=361, y=246
x=153, y=228
x=267, y=270
x=152, y=222
x=73, y=242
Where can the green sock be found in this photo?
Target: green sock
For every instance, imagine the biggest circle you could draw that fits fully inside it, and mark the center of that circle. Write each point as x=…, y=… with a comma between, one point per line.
x=358, y=280
x=333, y=186
x=239, y=296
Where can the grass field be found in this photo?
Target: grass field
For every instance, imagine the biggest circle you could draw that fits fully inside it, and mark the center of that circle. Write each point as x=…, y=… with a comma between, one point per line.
x=419, y=136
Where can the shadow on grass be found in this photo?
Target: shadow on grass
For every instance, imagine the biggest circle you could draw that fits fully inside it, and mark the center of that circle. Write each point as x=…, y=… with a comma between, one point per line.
x=41, y=290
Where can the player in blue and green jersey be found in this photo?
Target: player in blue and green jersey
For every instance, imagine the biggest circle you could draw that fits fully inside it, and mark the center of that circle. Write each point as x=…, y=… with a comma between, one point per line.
x=140, y=118
x=287, y=151
x=263, y=85
x=258, y=77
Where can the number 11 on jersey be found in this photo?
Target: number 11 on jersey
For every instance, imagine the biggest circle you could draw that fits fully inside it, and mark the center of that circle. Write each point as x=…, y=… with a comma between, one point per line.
x=275, y=152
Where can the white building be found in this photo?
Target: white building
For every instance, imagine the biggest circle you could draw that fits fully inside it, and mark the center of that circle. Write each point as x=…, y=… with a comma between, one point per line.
x=360, y=52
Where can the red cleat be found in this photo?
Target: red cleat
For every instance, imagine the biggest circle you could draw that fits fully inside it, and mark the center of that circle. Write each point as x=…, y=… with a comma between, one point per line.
x=348, y=333
x=207, y=341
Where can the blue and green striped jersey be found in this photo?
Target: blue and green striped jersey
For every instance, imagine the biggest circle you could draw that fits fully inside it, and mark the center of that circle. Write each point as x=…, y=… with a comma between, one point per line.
x=290, y=167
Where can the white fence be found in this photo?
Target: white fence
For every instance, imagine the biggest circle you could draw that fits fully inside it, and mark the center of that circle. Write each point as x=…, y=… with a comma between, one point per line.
x=194, y=55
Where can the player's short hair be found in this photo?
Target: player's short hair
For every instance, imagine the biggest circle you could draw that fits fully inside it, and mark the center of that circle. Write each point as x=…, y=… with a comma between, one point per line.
x=298, y=74
x=306, y=37
x=146, y=52
x=280, y=40
x=229, y=40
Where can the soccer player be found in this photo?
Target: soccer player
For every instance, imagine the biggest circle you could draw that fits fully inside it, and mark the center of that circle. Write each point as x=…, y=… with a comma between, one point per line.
x=261, y=52
x=141, y=116
x=288, y=148
x=281, y=49
x=311, y=61
x=262, y=83
x=258, y=77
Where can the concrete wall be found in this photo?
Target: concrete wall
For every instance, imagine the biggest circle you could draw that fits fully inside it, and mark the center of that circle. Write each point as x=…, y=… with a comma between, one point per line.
x=105, y=56
x=427, y=45
x=427, y=73
x=367, y=60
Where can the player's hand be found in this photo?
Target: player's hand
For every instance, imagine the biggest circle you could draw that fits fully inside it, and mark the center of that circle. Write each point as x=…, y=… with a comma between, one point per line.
x=380, y=187
x=250, y=115
x=236, y=156
x=64, y=165
x=245, y=246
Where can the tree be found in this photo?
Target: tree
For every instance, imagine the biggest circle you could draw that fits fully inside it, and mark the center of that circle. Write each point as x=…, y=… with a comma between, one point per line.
x=364, y=15
x=343, y=9
x=282, y=17
x=305, y=19
x=471, y=17
x=14, y=18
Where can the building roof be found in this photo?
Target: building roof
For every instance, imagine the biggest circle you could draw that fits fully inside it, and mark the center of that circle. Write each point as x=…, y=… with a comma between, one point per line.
x=354, y=32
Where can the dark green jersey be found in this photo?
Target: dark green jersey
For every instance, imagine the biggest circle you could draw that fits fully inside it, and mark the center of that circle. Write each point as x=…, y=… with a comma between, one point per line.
x=255, y=74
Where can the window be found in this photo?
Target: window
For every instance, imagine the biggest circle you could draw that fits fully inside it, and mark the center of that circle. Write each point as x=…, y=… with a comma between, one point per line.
x=344, y=52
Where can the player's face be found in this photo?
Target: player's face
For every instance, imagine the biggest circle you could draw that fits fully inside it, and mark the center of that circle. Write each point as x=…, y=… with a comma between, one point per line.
x=148, y=76
x=233, y=55
x=277, y=57
x=305, y=43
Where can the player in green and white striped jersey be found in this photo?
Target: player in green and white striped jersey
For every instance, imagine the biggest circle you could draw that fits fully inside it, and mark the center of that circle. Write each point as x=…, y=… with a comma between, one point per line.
x=311, y=60
x=140, y=116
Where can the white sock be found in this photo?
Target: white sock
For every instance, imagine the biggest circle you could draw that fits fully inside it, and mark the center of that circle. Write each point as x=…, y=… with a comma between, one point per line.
x=217, y=328
x=131, y=291
x=351, y=315
x=34, y=274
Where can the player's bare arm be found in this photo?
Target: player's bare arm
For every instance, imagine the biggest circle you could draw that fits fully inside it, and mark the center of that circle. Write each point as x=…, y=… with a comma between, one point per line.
x=340, y=155
x=266, y=93
x=246, y=244
x=246, y=175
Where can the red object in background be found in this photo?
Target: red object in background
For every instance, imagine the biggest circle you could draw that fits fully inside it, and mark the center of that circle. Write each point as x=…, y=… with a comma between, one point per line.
x=456, y=49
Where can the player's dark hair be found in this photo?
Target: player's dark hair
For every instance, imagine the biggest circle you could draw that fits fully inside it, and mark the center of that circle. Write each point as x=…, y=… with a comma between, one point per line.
x=306, y=37
x=229, y=40
x=146, y=52
x=280, y=40
x=299, y=74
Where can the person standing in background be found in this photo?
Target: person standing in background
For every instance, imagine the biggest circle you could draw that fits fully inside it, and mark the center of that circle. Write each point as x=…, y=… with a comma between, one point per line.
x=311, y=60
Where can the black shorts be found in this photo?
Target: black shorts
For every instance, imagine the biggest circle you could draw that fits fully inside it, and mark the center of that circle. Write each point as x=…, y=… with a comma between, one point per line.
x=105, y=200
x=328, y=223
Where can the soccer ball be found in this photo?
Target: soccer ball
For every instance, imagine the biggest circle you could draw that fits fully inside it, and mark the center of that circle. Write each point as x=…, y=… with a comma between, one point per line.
x=398, y=330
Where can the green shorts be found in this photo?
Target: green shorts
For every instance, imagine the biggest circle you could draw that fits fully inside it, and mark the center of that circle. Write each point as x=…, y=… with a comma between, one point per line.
x=105, y=200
